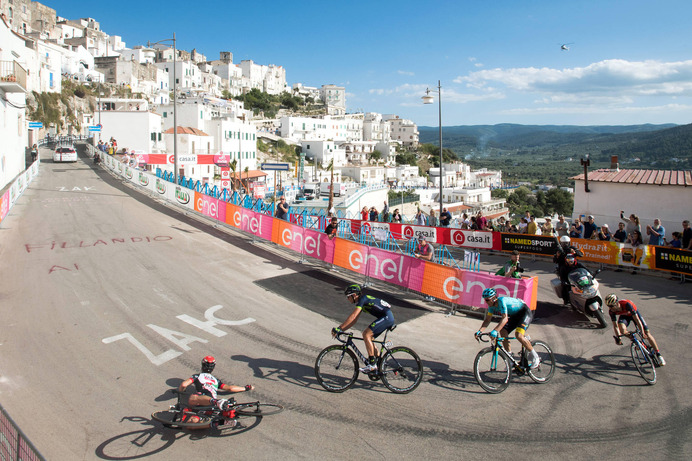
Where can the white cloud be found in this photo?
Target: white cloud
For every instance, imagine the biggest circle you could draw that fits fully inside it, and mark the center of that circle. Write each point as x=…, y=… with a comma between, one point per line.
x=612, y=77
x=405, y=72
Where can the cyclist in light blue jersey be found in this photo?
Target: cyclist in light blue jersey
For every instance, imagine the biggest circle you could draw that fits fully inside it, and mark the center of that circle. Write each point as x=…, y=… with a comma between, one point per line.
x=374, y=306
x=514, y=313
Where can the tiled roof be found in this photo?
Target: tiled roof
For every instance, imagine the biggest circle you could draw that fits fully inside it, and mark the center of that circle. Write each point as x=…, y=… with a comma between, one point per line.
x=187, y=130
x=250, y=174
x=653, y=177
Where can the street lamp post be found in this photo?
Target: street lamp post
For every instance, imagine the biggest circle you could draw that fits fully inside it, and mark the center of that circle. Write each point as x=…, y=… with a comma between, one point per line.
x=427, y=99
x=175, y=103
x=100, y=94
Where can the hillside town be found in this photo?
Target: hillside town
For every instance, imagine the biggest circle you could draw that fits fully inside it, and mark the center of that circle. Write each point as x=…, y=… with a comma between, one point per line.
x=157, y=99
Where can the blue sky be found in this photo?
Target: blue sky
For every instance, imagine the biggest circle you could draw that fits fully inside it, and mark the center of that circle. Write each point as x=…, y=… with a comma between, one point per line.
x=628, y=62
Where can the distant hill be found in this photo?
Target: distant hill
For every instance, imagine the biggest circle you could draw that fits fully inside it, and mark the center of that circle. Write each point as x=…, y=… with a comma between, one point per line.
x=551, y=153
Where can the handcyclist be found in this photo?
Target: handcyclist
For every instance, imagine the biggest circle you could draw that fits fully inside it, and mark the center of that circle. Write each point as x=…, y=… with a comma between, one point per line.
x=628, y=312
x=514, y=313
x=375, y=306
x=207, y=386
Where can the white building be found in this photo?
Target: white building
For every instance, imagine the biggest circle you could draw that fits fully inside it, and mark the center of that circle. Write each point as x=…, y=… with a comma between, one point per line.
x=334, y=97
x=649, y=194
x=236, y=138
x=345, y=129
x=270, y=79
x=131, y=124
x=13, y=123
x=404, y=131
x=324, y=152
x=365, y=174
x=375, y=128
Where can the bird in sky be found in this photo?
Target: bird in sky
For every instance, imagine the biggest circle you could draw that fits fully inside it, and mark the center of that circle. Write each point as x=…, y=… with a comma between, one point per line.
x=565, y=46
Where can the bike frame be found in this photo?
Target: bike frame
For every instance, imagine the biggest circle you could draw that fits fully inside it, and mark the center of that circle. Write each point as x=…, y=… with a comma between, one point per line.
x=385, y=345
x=496, y=351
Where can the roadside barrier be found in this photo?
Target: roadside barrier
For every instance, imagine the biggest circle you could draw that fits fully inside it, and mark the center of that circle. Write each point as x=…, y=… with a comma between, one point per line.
x=366, y=251
x=14, y=445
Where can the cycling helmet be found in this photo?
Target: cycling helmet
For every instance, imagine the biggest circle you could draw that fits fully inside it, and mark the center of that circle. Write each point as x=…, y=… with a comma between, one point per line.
x=353, y=289
x=208, y=364
x=611, y=300
x=489, y=293
x=564, y=240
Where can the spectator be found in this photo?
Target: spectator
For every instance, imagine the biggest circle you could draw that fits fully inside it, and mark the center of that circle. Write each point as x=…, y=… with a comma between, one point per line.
x=34, y=153
x=656, y=233
x=364, y=213
x=465, y=223
x=676, y=242
x=332, y=229
x=490, y=226
x=620, y=235
x=432, y=220
x=373, y=214
x=632, y=223
x=423, y=250
x=396, y=217
x=635, y=239
x=282, y=208
x=604, y=234
x=445, y=217
x=419, y=219
x=532, y=226
x=576, y=231
x=686, y=235
x=590, y=227
x=501, y=225
x=523, y=224
x=561, y=227
x=547, y=227
x=481, y=221
x=126, y=158
x=511, y=268
x=474, y=223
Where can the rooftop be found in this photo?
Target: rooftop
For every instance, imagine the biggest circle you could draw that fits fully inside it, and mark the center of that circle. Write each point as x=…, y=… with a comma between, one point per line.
x=653, y=177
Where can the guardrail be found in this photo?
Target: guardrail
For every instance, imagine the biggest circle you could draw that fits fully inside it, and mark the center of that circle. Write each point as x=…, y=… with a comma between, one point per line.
x=14, y=444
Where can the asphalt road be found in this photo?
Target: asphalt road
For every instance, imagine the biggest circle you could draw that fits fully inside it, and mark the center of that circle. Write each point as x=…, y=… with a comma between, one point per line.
x=109, y=298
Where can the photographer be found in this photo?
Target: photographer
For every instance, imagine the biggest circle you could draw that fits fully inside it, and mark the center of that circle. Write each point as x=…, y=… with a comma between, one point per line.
x=511, y=267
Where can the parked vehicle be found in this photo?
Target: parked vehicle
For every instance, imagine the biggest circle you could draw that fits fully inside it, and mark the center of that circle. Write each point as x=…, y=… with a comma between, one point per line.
x=309, y=191
x=65, y=153
x=339, y=189
x=584, y=295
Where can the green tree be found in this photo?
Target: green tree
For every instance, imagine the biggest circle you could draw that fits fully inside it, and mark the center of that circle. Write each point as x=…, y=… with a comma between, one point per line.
x=559, y=201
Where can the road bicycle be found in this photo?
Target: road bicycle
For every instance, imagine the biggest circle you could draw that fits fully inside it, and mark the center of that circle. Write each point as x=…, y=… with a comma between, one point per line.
x=178, y=416
x=336, y=367
x=644, y=356
x=493, y=365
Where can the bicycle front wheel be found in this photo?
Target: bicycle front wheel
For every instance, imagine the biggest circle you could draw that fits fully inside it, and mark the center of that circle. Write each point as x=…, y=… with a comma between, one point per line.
x=493, y=370
x=258, y=409
x=401, y=370
x=546, y=366
x=336, y=368
x=643, y=362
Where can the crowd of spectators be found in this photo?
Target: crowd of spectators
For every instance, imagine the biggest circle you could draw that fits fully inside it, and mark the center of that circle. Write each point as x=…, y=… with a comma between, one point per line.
x=629, y=228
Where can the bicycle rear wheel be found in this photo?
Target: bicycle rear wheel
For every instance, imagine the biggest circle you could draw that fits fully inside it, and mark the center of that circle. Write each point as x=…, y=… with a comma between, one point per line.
x=643, y=362
x=493, y=371
x=401, y=370
x=172, y=419
x=546, y=368
x=336, y=368
x=258, y=409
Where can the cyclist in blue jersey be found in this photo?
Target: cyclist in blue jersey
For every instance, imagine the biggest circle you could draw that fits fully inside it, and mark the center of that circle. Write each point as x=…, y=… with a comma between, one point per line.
x=514, y=313
x=374, y=306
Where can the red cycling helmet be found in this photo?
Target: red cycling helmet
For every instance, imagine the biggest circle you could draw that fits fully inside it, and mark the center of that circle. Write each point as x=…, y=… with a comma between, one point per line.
x=208, y=364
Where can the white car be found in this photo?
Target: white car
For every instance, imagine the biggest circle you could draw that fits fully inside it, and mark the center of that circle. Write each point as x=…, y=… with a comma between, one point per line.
x=65, y=154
